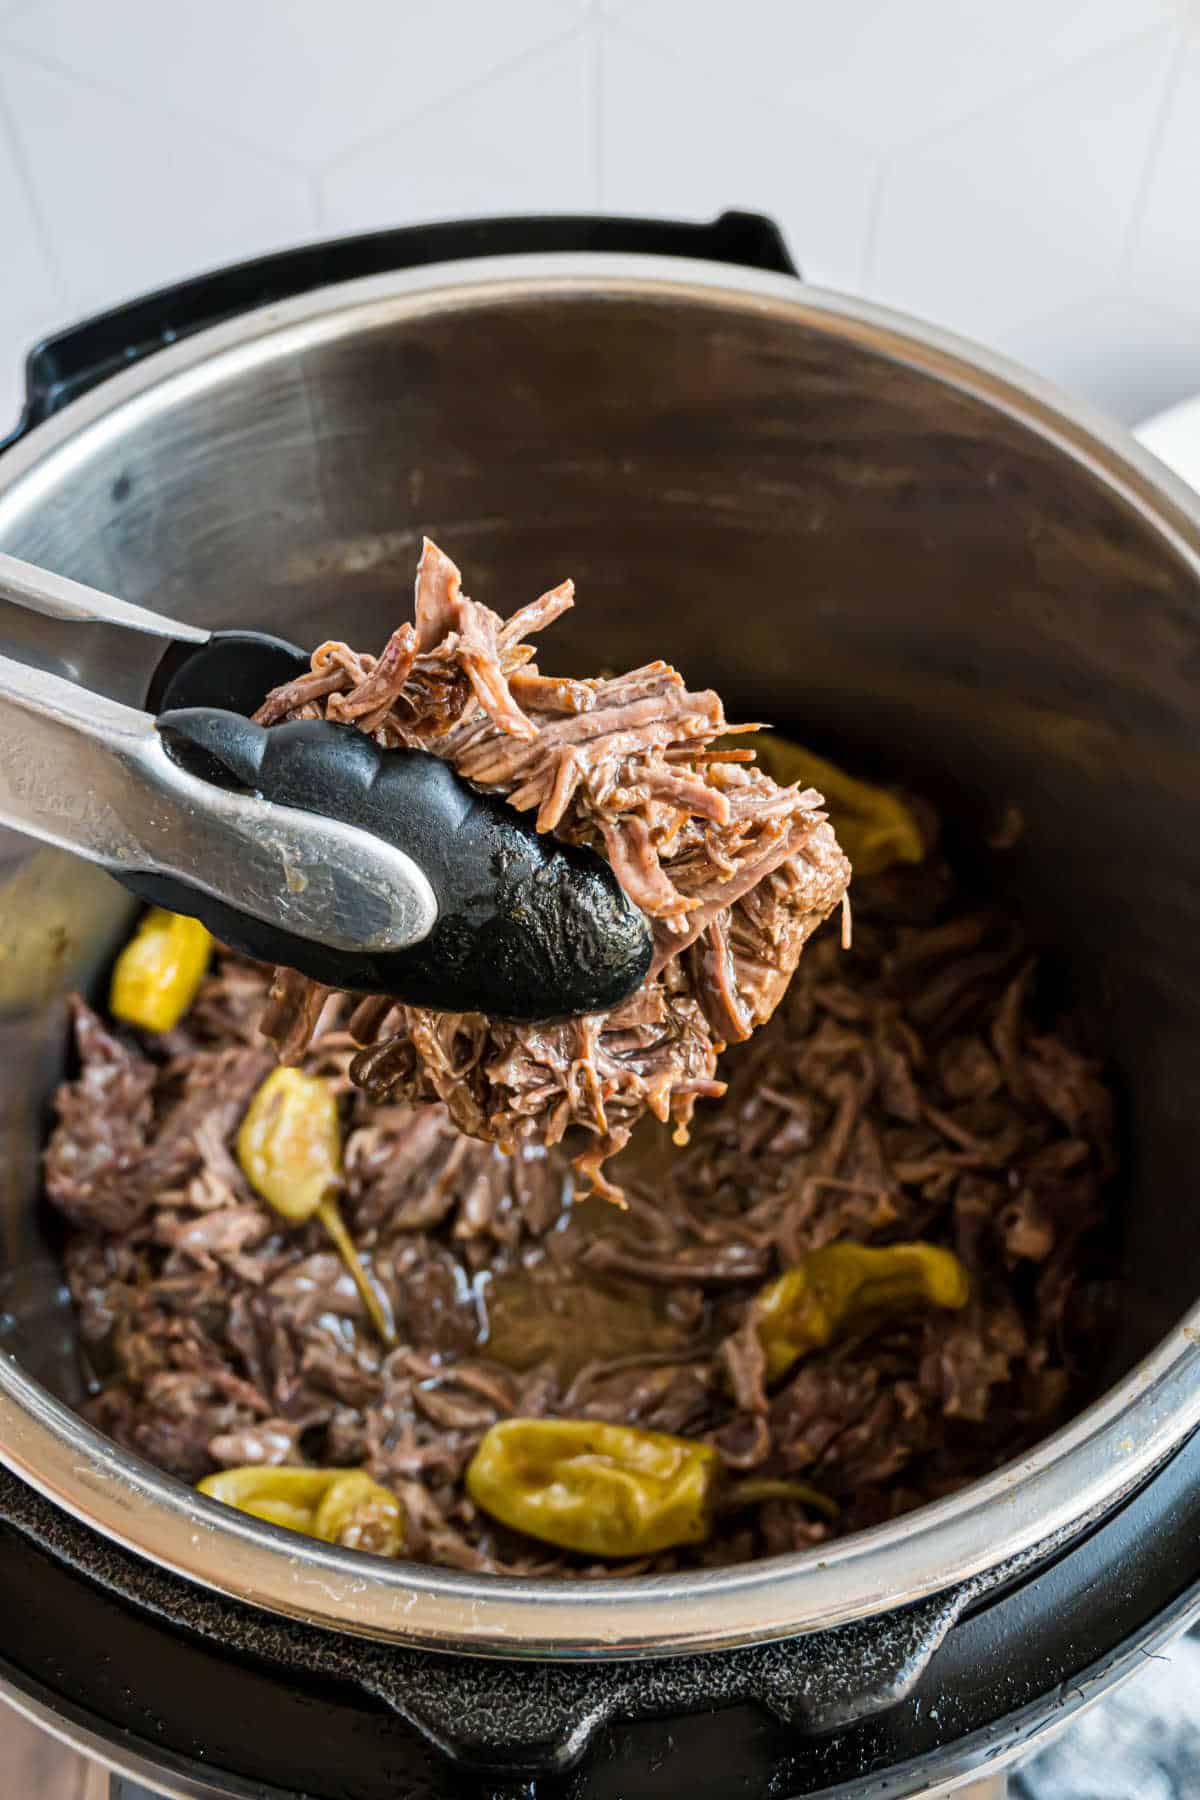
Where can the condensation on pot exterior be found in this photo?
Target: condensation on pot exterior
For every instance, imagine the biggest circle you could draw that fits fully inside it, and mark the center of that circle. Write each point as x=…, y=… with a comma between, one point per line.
x=848, y=520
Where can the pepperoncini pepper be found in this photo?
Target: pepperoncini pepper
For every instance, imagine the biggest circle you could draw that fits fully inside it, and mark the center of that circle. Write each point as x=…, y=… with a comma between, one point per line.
x=290, y=1150
x=873, y=826
x=339, y=1506
x=156, y=975
x=611, y=1490
x=843, y=1285
x=604, y=1490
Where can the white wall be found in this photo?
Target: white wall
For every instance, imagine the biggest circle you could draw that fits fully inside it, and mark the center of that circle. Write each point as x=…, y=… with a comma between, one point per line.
x=1026, y=171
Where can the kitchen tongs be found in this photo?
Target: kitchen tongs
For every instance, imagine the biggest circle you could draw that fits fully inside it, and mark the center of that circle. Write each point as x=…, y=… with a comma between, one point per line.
x=305, y=844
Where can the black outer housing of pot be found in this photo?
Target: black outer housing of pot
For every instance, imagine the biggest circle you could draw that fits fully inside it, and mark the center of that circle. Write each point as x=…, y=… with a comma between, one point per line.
x=192, y=1684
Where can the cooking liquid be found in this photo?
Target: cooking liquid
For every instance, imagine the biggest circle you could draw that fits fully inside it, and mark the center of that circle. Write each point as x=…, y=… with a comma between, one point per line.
x=552, y=1311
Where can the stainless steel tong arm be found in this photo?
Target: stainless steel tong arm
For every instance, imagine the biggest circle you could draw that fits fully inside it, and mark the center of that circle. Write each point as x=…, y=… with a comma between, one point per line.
x=58, y=597
x=90, y=775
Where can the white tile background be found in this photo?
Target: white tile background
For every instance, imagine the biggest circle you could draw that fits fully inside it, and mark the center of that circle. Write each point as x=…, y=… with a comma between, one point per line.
x=1026, y=172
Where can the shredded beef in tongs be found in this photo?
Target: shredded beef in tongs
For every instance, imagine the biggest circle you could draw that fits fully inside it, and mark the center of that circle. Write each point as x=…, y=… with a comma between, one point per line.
x=735, y=871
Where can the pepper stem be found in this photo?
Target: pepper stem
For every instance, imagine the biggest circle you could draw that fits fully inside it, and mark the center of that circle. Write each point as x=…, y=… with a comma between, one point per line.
x=753, y=1489
x=331, y=1219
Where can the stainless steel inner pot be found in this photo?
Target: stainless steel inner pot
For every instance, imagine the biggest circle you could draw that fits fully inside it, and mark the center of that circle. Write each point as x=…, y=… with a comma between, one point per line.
x=852, y=525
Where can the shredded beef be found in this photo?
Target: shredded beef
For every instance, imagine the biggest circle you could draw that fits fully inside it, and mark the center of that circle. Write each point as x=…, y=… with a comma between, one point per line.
x=735, y=872
x=910, y=1088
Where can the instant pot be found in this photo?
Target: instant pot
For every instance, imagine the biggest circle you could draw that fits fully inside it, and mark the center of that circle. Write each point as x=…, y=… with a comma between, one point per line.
x=892, y=542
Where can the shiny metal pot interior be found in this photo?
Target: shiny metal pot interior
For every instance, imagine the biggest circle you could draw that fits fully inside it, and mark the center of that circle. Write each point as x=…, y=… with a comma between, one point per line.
x=847, y=523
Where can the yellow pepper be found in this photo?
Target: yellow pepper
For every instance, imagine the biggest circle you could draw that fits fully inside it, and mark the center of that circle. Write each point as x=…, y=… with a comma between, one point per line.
x=603, y=1490
x=612, y=1490
x=339, y=1506
x=290, y=1150
x=157, y=973
x=844, y=1285
x=360, y=1514
x=873, y=826
x=290, y=1143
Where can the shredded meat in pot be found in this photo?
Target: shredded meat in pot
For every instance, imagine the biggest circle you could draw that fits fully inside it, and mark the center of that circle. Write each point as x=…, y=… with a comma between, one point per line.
x=914, y=1087
x=735, y=871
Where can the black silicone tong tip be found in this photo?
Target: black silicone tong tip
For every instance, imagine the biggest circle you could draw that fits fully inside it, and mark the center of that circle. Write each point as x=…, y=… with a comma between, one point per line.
x=234, y=670
x=528, y=929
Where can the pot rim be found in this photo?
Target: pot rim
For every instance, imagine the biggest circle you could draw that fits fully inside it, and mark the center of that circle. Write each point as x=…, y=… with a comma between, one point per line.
x=1046, y=1495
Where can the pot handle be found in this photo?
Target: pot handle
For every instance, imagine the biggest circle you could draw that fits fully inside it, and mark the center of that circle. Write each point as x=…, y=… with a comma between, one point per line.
x=528, y=1719
x=522, y=1721
x=63, y=367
